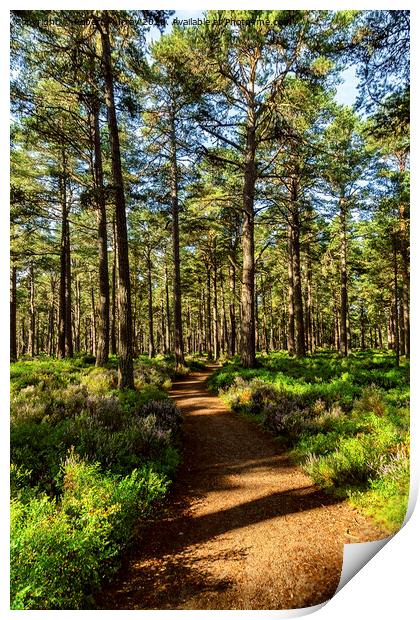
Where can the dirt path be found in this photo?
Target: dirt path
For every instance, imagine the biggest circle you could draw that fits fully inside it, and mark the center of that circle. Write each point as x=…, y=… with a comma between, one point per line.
x=243, y=527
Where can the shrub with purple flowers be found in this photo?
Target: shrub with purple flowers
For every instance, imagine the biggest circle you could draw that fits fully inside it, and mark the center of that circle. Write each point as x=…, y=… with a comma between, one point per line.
x=167, y=414
x=70, y=522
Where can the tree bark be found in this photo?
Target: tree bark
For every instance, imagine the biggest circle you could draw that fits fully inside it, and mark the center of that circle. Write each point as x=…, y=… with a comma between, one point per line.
x=310, y=331
x=297, y=280
x=102, y=348
x=93, y=324
x=62, y=314
x=291, y=343
x=125, y=362
x=343, y=278
x=396, y=329
x=208, y=315
x=13, y=312
x=77, y=314
x=31, y=331
x=248, y=271
x=178, y=339
x=224, y=323
x=362, y=329
x=113, y=326
x=152, y=351
x=405, y=277
x=232, y=314
x=168, y=314
x=216, y=343
x=68, y=309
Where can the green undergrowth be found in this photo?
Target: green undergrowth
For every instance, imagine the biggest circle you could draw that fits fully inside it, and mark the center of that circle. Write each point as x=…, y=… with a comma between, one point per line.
x=346, y=421
x=88, y=462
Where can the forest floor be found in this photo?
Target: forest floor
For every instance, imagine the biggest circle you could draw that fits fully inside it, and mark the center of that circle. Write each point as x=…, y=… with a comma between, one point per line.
x=242, y=528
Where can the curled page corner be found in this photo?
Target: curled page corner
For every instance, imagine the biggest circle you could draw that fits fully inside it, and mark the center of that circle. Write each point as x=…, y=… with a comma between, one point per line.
x=356, y=555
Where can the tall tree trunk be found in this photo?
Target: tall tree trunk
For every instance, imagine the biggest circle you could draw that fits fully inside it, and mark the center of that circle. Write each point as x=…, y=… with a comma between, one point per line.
x=208, y=314
x=248, y=271
x=291, y=343
x=404, y=249
x=93, y=324
x=381, y=344
x=343, y=277
x=102, y=348
x=77, y=314
x=396, y=330
x=405, y=278
x=13, y=309
x=216, y=343
x=224, y=324
x=311, y=342
x=125, y=362
x=162, y=347
x=189, y=329
x=53, y=313
x=113, y=326
x=31, y=332
x=264, y=313
x=22, y=336
x=150, y=305
x=272, y=336
x=68, y=321
x=201, y=321
x=297, y=280
x=37, y=335
x=62, y=313
x=232, y=314
x=362, y=329
x=402, y=327
x=257, y=319
x=178, y=340
x=168, y=314
x=390, y=333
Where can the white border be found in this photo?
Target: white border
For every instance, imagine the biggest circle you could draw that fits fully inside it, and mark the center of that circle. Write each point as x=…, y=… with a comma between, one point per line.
x=387, y=586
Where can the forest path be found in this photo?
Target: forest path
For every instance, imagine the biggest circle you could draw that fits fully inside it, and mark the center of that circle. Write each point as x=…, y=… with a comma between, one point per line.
x=243, y=527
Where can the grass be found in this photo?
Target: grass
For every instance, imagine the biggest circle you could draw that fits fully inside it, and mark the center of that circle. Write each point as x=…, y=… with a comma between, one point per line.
x=88, y=461
x=345, y=420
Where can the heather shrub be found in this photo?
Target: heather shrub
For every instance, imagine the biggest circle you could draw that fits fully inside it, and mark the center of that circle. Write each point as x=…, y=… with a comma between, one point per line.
x=157, y=371
x=67, y=402
x=100, y=380
x=194, y=363
x=262, y=396
x=387, y=497
x=288, y=416
x=39, y=448
x=123, y=439
x=371, y=400
x=167, y=414
x=60, y=551
x=354, y=460
x=30, y=404
x=70, y=523
x=133, y=400
x=329, y=419
x=105, y=411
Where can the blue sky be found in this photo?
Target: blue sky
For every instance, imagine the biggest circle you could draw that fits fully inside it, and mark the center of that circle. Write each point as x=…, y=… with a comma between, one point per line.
x=347, y=91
